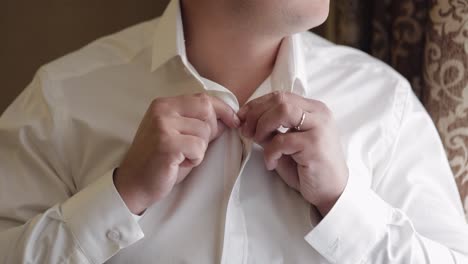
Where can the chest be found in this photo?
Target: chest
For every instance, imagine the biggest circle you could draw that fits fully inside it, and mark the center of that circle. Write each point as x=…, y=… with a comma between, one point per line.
x=230, y=209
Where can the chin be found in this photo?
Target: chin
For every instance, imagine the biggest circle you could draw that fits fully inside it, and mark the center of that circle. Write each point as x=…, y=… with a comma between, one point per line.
x=304, y=17
x=318, y=14
x=282, y=16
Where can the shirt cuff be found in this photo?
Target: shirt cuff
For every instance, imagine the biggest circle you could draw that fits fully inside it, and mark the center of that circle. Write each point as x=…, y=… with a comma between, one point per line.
x=100, y=221
x=353, y=226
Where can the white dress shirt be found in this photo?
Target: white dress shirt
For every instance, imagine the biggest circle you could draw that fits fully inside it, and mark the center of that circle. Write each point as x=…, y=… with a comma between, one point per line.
x=65, y=134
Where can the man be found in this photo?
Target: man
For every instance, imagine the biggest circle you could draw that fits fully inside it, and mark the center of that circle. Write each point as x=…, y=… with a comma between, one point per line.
x=219, y=133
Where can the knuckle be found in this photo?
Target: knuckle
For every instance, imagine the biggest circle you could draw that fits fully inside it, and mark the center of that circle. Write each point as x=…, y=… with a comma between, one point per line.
x=158, y=122
x=205, y=110
x=199, y=144
x=323, y=108
x=161, y=126
x=201, y=103
x=158, y=105
x=278, y=97
x=203, y=97
x=174, y=157
x=285, y=109
x=279, y=140
x=199, y=151
x=205, y=127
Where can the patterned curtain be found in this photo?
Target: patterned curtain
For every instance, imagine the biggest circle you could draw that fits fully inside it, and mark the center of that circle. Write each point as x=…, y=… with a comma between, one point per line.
x=427, y=42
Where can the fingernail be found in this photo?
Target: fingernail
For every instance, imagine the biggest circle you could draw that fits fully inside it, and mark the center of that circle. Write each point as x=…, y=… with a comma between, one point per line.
x=237, y=121
x=273, y=167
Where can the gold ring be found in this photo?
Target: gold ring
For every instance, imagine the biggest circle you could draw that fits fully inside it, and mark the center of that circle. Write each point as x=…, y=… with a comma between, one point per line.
x=298, y=127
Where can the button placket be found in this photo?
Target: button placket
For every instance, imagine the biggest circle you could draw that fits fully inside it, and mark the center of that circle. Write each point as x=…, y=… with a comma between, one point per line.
x=235, y=239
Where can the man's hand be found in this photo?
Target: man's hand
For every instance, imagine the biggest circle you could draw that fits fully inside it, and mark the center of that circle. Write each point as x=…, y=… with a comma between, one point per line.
x=172, y=140
x=310, y=160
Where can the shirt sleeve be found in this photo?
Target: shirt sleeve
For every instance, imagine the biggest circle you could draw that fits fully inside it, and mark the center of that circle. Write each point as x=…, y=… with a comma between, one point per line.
x=411, y=213
x=43, y=218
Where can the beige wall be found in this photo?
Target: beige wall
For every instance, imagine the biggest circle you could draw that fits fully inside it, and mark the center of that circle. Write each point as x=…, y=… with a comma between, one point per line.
x=35, y=32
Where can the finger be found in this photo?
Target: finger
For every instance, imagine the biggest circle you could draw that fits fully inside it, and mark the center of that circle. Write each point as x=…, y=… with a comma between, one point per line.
x=212, y=109
x=285, y=115
x=287, y=169
x=288, y=114
x=205, y=108
x=190, y=105
x=192, y=127
x=309, y=105
x=256, y=108
x=196, y=106
x=192, y=149
x=276, y=97
x=209, y=109
x=225, y=113
x=221, y=129
x=250, y=124
x=250, y=112
x=282, y=144
x=253, y=104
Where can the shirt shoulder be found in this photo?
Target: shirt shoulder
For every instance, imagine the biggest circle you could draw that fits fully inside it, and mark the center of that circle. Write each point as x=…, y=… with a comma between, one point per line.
x=96, y=70
x=118, y=48
x=364, y=91
x=352, y=72
x=327, y=54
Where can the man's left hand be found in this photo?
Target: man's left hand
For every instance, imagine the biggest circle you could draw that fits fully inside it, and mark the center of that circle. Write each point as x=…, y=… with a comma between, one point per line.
x=310, y=159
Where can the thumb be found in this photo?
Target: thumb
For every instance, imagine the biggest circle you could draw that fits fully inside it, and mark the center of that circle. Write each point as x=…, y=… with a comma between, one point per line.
x=221, y=128
x=225, y=113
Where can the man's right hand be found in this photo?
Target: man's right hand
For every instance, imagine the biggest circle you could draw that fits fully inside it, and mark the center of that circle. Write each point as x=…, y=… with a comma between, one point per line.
x=172, y=140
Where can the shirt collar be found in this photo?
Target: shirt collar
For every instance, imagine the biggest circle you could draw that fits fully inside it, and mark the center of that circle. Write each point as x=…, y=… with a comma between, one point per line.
x=288, y=73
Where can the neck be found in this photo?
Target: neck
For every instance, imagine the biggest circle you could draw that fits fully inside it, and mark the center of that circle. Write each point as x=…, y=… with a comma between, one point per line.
x=236, y=59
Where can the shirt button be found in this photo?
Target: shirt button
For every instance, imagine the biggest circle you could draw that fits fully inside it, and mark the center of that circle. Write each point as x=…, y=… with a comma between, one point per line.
x=114, y=235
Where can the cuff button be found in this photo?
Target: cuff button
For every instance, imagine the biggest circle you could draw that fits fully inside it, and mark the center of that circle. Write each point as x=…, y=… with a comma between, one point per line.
x=114, y=235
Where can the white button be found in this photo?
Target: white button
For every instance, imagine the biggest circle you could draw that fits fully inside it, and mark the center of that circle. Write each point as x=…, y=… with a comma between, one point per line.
x=114, y=235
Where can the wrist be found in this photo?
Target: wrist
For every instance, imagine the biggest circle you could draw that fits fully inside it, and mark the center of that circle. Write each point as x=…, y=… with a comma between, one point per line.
x=331, y=197
x=134, y=200
x=325, y=207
